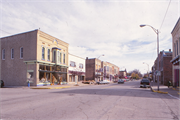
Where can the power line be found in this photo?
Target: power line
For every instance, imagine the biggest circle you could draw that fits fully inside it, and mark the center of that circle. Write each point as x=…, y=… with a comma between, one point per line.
x=5, y=31
x=165, y=15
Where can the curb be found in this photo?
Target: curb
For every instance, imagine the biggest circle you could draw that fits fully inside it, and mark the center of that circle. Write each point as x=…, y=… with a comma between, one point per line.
x=50, y=87
x=159, y=91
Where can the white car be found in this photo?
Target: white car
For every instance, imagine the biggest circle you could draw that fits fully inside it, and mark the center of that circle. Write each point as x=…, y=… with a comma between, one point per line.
x=103, y=82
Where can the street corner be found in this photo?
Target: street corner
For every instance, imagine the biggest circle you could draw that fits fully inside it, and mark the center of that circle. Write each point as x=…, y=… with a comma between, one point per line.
x=159, y=91
x=51, y=87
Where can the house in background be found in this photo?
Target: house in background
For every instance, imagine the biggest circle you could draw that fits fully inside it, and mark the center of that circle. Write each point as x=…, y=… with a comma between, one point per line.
x=123, y=74
x=77, y=67
x=33, y=56
x=176, y=53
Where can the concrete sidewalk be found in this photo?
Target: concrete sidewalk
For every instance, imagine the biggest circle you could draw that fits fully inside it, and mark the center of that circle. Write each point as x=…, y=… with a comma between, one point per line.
x=165, y=90
x=59, y=86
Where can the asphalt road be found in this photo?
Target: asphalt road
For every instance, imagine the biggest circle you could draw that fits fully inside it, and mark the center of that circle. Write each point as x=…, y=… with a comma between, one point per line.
x=93, y=102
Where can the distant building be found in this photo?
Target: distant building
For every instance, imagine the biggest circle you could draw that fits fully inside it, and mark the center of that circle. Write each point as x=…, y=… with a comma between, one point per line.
x=100, y=70
x=165, y=67
x=123, y=74
x=33, y=56
x=176, y=53
x=76, y=69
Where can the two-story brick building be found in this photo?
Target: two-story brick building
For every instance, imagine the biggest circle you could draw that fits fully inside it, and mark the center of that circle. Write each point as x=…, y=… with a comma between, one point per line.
x=33, y=56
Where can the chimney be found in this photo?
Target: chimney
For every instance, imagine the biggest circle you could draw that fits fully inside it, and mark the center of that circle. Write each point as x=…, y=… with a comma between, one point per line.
x=86, y=57
x=169, y=50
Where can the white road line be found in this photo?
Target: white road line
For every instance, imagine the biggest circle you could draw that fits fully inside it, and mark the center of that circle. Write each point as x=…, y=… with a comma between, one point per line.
x=173, y=96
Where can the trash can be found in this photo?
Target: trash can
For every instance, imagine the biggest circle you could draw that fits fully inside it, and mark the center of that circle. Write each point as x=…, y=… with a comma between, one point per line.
x=28, y=83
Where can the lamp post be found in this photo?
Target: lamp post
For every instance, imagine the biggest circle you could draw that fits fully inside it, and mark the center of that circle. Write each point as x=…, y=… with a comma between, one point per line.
x=157, y=32
x=97, y=63
x=148, y=68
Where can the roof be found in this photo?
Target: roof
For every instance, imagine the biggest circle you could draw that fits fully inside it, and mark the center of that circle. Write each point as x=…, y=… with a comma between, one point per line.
x=175, y=25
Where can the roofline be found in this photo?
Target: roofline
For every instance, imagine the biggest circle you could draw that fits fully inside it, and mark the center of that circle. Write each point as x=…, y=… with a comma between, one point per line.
x=175, y=25
x=77, y=56
x=18, y=33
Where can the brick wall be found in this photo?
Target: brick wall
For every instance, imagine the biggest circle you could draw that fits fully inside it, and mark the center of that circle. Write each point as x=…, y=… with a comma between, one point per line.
x=90, y=69
x=167, y=68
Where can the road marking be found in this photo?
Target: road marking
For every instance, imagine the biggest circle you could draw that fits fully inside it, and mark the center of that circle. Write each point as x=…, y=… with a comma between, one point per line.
x=173, y=96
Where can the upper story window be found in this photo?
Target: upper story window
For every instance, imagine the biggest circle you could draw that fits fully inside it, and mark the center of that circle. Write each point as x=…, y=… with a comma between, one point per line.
x=174, y=49
x=72, y=64
x=12, y=53
x=48, y=54
x=21, y=52
x=3, y=54
x=43, y=53
x=177, y=47
x=60, y=57
x=80, y=65
x=64, y=60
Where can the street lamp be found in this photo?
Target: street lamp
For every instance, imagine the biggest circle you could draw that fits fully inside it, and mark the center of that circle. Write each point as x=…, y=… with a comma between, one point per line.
x=148, y=68
x=97, y=62
x=157, y=32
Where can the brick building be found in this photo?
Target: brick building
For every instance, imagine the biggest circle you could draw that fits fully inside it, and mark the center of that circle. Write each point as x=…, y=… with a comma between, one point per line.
x=33, y=56
x=176, y=53
x=165, y=67
x=100, y=70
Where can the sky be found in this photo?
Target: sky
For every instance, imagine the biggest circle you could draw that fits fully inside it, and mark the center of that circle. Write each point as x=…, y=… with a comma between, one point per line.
x=96, y=27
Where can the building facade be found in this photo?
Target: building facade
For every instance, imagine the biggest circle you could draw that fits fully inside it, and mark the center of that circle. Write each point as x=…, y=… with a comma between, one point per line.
x=100, y=70
x=33, y=56
x=165, y=68
x=76, y=70
x=176, y=53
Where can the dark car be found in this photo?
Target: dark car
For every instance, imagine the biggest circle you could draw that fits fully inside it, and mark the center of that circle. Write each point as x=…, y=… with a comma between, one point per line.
x=120, y=81
x=2, y=83
x=145, y=83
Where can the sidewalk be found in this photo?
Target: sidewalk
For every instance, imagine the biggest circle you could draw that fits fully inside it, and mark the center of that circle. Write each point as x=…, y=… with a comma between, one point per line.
x=59, y=86
x=165, y=90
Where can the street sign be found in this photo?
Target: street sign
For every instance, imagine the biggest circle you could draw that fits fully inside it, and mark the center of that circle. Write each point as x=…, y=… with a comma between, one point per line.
x=158, y=73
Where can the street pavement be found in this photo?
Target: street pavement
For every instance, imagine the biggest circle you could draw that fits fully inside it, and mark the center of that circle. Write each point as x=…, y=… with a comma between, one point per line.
x=88, y=102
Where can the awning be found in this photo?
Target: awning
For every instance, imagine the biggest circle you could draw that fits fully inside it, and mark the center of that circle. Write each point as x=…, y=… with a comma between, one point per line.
x=44, y=63
x=175, y=60
x=47, y=71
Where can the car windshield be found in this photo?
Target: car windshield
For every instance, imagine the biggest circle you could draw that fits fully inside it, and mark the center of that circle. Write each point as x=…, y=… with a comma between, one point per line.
x=145, y=80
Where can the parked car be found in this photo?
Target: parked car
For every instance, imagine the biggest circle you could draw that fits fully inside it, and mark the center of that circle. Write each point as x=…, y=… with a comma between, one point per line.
x=2, y=83
x=120, y=81
x=145, y=83
x=103, y=82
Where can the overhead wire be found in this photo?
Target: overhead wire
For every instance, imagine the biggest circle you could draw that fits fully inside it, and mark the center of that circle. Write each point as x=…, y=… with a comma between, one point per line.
x=165, y=15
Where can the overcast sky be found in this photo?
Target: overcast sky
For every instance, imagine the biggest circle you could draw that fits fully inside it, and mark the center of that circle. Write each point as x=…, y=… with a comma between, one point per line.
x=96, y=27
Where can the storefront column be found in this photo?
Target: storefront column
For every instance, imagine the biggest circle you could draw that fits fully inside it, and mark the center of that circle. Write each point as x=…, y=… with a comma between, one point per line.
x=45, y=73
x=50, y=75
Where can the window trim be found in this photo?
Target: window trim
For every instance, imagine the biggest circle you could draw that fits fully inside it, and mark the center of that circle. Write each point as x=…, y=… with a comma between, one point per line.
x=21, y=57
x=48, y=54
x=43, y=55
x=64, y=58
x=3, y=54
x=12, y=53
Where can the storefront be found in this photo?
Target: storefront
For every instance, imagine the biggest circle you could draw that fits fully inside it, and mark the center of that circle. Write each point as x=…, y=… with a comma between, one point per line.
x=47, y=73
x=176, y=70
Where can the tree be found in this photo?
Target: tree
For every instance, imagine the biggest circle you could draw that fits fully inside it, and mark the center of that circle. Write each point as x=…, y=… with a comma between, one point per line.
x=133, y=75
x=136, y=76
x=136, y=71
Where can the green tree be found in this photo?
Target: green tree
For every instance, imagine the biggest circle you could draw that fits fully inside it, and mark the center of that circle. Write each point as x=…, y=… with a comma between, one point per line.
x=133, y=75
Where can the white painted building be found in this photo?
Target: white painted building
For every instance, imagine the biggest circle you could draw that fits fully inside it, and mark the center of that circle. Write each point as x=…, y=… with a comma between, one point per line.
x=76, y=69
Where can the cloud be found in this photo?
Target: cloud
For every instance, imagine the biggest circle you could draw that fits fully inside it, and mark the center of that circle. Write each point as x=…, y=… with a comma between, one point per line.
x=98, y=27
